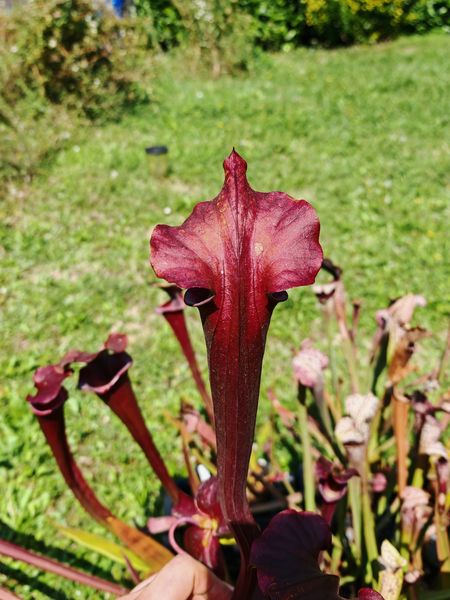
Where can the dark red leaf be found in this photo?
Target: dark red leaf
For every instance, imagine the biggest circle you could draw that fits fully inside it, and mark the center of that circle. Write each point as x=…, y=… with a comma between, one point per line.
x=50, y=393
x=287, y=552
x=53, y=427
x=176, y=302
x=122, y=401
x=116, y=342
x=76, y=356
x=332, y=485
x=238, y=254
x=207, y=497
x=131, y=570
x=185, y=506
x=104, y=371
x=286, y=559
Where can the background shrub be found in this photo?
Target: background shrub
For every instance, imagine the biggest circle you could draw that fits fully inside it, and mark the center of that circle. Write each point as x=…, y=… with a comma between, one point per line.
x=217, y=34
x=281, y=24
x=334, y=22
x=71, y=52
x=31, y=132
x=62, y=62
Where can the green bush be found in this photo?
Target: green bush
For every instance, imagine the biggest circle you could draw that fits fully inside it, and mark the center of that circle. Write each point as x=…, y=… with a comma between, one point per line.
x=214, y=34
x=71, y=53
x=30, y=133
x=428, y=14
x=334, y=22
x=282, y=24
x=63, y=62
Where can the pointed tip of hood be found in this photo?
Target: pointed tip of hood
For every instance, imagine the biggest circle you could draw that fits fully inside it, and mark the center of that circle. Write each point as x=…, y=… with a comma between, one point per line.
x=234, y=164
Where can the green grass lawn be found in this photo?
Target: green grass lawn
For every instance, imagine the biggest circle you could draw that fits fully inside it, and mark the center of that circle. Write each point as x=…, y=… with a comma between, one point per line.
x=362, y=133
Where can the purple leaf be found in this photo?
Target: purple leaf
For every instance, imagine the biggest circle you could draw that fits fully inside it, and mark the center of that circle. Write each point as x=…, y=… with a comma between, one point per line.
x=287, y=552
x=286, y=557
x=237, y=254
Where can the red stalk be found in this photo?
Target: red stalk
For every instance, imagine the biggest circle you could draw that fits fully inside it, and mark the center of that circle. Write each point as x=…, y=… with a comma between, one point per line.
x=122, y=401
x=48, y=405
x=53, y=427
x=106, y=374
x=52, y=566
x=238, y=254
x=173, y=312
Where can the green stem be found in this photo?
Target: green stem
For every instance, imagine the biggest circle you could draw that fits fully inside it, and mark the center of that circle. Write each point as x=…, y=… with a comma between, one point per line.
x=354, y=496
x=288, y=485
x=382, y=505
x=369, y=526
x=308, y=473
x=323, y=410
x=332, y=356
x=350, y=356
x=419, y=472
x=326, y=424
x=338, y=549
x=373, y=450
x=441, y=524
x=336, y=556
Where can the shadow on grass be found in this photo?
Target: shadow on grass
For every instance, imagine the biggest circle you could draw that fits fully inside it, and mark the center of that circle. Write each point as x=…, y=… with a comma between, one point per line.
x=29, y=542
x=33, y=582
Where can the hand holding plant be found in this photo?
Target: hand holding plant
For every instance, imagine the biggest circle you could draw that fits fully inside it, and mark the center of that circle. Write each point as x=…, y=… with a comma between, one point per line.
x=182, y=579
